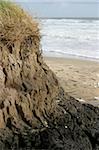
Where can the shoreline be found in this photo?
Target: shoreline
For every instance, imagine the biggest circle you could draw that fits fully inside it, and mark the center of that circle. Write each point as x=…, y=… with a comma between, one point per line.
x=79, y=78
x=74, y=57
x=70, y=60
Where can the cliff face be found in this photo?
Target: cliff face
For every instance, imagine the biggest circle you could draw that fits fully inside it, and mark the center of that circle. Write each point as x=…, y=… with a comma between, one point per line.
x=35, y=113
x=28, y=87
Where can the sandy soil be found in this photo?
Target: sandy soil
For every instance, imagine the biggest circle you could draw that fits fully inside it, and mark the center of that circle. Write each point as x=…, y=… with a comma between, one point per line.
x=79, y=78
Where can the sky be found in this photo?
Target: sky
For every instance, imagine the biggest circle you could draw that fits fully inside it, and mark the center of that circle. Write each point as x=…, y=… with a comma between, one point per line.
x=61, y=8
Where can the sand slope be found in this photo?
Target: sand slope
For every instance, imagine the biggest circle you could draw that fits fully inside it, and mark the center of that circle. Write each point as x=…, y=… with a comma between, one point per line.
x=80, y=78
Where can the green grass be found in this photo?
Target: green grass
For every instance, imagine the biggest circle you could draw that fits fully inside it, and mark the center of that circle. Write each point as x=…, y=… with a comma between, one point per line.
x=15, y=23
x=9, y=9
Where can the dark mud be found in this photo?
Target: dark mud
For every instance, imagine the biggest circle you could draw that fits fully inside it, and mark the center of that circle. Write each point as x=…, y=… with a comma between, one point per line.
x=77, y=128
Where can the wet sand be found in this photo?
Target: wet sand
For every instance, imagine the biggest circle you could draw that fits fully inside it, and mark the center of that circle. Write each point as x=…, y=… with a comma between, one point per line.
x=79, y=78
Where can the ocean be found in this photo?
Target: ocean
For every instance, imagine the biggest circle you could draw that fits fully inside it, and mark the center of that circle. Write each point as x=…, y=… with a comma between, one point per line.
x=70, y=38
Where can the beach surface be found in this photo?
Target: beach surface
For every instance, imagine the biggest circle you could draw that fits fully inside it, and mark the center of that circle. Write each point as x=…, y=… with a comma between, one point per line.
x=79, y=78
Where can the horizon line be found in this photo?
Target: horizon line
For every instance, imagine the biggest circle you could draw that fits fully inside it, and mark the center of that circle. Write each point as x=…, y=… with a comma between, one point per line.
x=91, y=18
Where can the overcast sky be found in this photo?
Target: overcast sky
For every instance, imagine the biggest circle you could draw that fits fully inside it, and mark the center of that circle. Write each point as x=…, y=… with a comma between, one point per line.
x=61, y=8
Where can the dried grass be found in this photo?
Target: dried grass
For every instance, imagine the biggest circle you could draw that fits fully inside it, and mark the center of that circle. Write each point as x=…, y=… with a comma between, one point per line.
x=15, y=24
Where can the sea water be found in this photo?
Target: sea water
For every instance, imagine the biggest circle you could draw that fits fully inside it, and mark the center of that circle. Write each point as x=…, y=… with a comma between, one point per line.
x=70, y=38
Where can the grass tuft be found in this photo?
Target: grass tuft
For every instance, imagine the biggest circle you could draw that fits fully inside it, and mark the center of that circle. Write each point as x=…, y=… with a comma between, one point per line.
x=15, y=24
x=9, y=10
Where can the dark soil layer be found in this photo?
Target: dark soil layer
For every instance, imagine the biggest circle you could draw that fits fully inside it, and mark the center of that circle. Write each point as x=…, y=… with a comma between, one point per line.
x=77, y=128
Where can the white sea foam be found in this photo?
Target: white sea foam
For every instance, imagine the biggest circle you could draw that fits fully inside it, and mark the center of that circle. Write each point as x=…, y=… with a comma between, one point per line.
x=70, y=37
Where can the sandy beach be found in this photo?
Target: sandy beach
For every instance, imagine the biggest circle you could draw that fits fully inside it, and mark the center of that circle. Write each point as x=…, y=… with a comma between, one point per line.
x=79, y=78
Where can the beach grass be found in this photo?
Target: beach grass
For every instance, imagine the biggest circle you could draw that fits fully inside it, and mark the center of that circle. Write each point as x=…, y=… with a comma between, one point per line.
x=15, y=23
x=9, y=9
